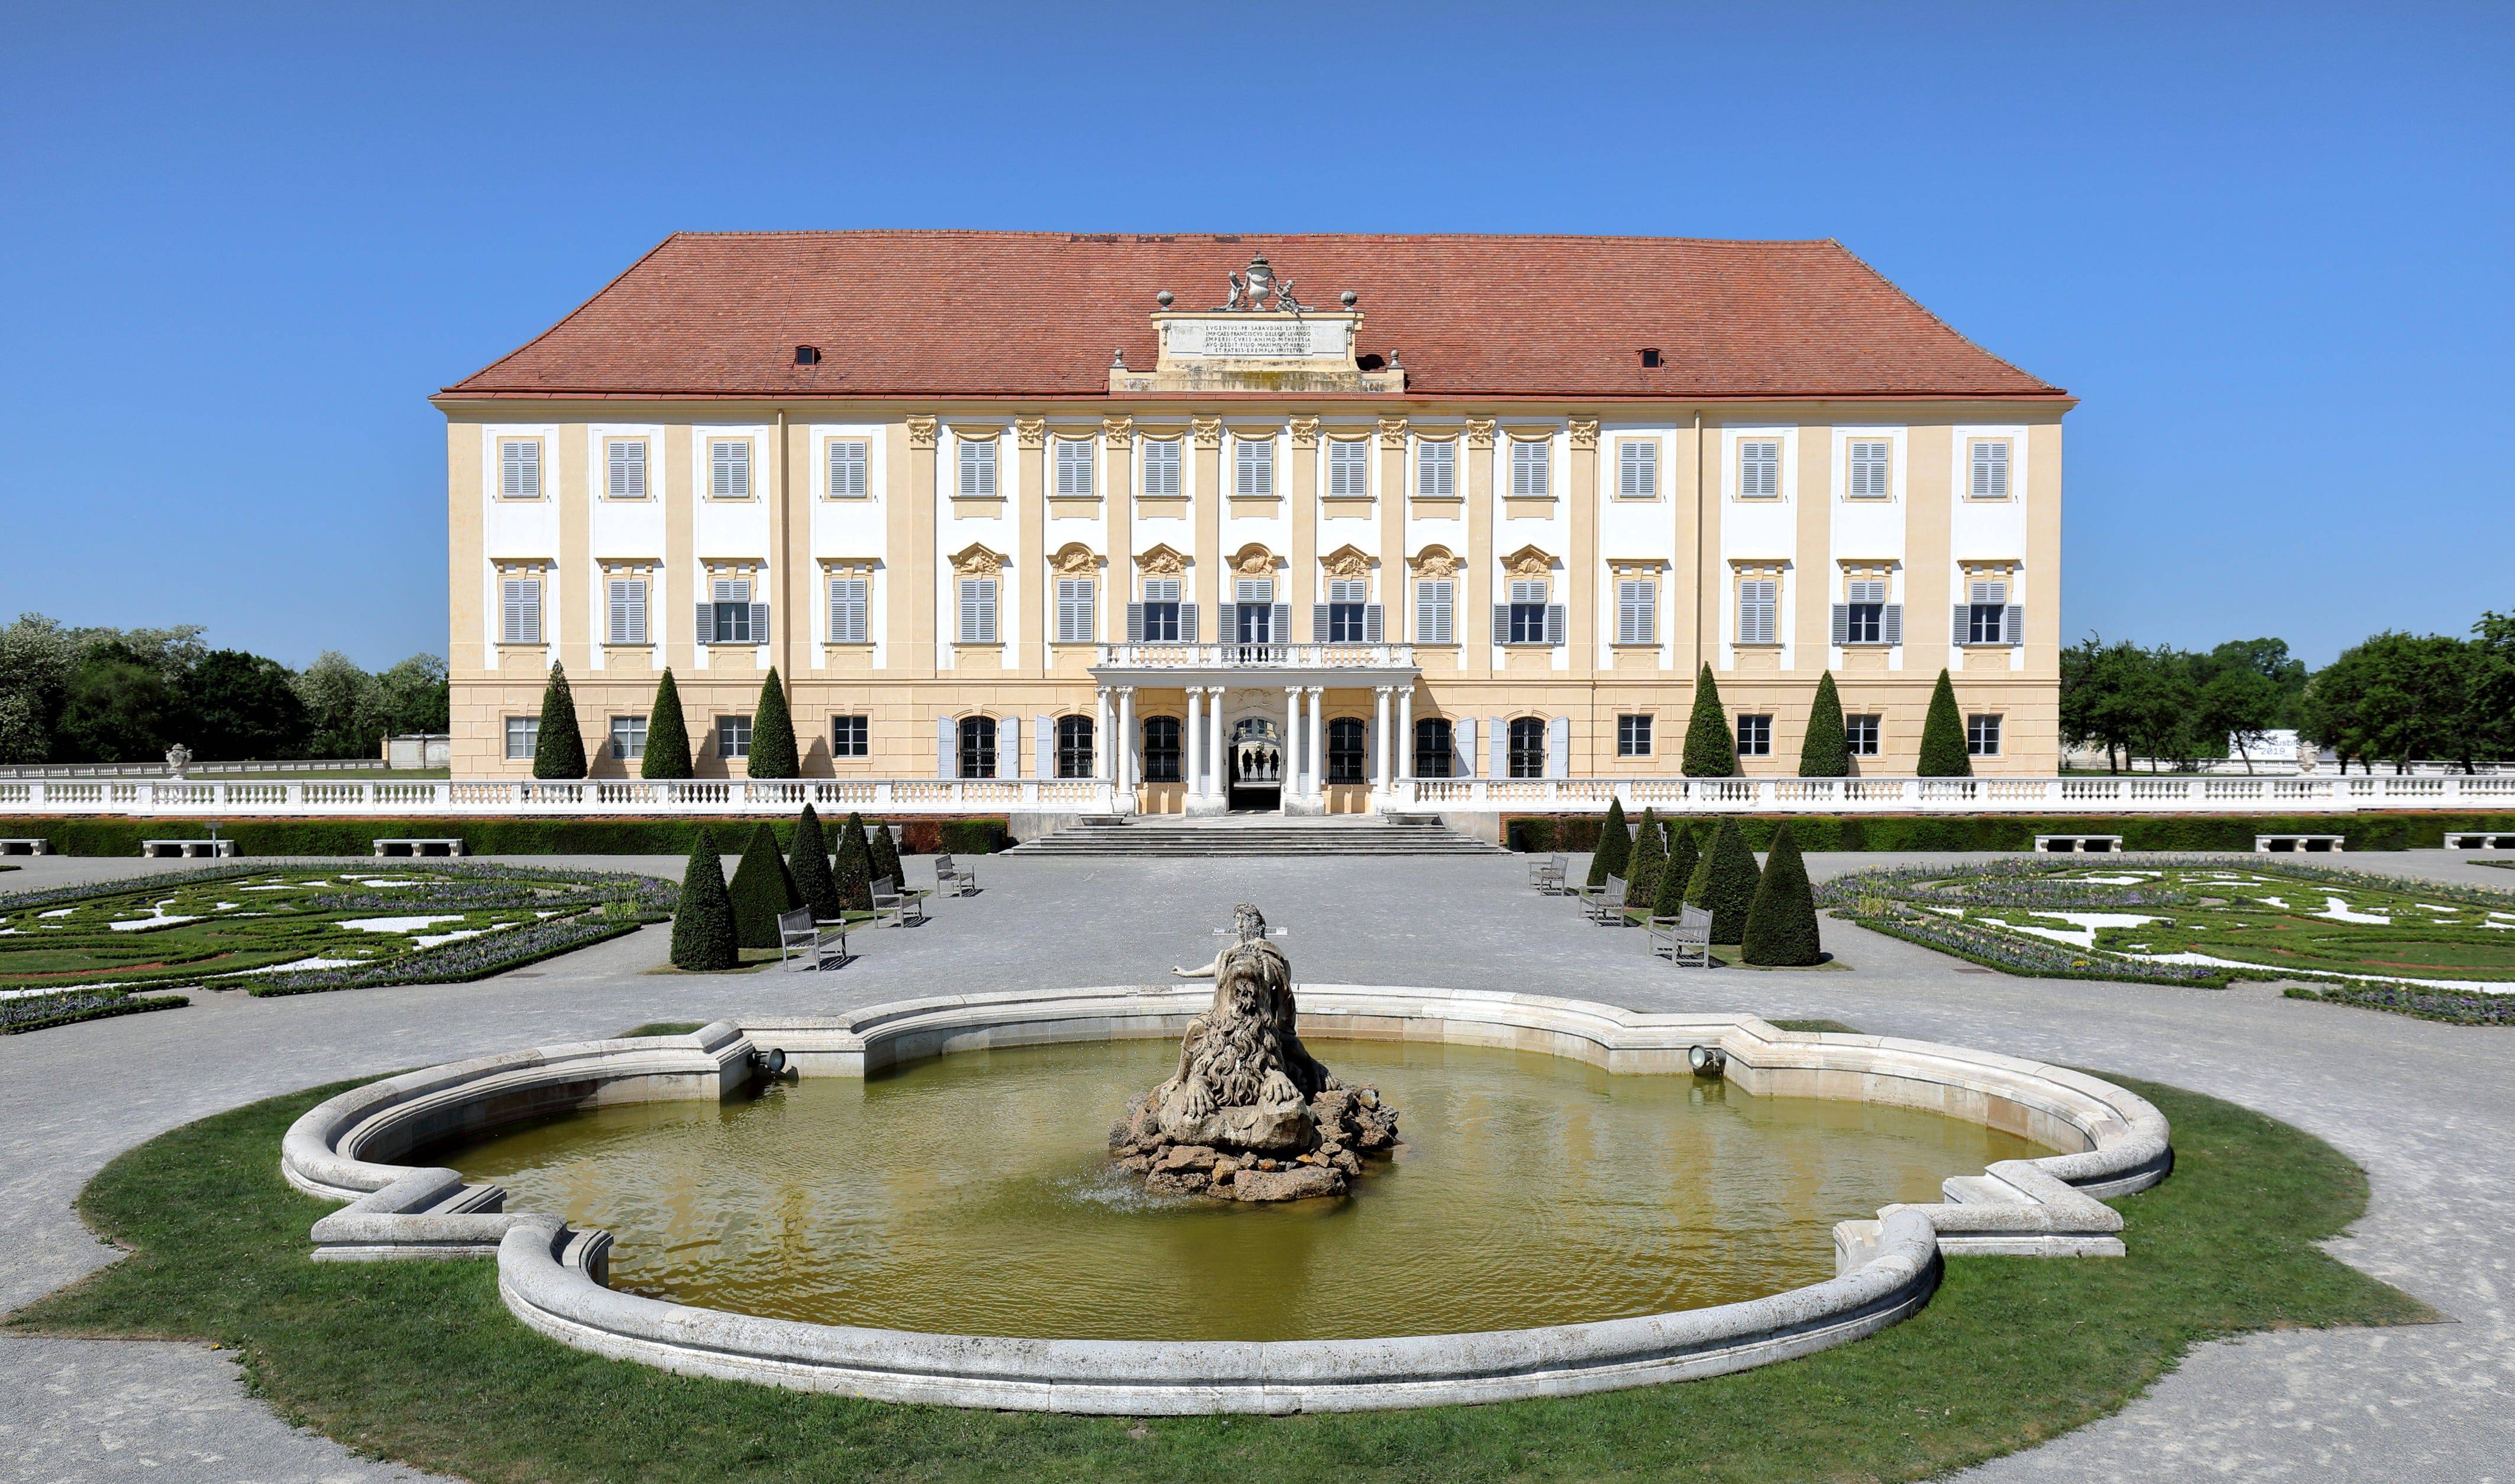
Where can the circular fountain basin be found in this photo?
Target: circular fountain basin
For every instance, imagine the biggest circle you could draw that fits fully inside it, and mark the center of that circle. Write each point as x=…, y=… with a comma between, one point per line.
x=1642, y=1188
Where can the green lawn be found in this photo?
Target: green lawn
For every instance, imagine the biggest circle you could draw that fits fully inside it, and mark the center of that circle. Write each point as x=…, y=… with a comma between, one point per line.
x=418, y=1361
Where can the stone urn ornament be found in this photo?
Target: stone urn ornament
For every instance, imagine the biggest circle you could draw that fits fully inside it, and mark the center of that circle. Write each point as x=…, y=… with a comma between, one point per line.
x=177, y=758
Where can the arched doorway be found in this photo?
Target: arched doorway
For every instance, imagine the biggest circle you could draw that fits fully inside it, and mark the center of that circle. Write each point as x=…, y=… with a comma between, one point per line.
x=1255, y=757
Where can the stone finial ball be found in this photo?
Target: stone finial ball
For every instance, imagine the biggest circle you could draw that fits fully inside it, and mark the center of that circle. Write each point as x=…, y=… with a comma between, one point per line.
x=1165, y=297
x=1350, y=297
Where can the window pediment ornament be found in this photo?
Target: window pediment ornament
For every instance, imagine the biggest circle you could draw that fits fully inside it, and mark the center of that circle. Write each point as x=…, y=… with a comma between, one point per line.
x=1636, y=566
x=1346, y=561
x=920, y=431
x=1528, y=561
x=1075, y=560
x=977, y=433
x=1436, y=561
x=1537, y=434
x=1254, y=560
x=849, y=567
x=1392, y=432
x=1161, y=562
x=1209, y=432
x=976, y=560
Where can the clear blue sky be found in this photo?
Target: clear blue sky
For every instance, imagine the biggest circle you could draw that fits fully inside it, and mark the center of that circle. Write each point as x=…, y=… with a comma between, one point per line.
x=2269, y=248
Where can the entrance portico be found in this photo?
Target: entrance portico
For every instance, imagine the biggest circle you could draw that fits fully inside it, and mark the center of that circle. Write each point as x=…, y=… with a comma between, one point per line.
x=1253, y=733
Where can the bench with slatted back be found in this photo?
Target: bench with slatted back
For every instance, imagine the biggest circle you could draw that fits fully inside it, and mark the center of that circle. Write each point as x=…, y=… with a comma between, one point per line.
x=803, y=937
x=1545, y=873
x=1686, y=939
x=960, y=880
x=1605, y=903
x=894, y=905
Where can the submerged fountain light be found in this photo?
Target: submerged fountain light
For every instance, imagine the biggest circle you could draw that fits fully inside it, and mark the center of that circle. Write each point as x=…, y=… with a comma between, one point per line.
x=769, y=1061
x=1707, y=1061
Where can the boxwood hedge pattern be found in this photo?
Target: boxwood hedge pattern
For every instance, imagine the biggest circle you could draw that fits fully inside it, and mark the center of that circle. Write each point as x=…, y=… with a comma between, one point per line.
x=2430, y=949
x=297, y=930
x=2390, y=831
x=113, y=835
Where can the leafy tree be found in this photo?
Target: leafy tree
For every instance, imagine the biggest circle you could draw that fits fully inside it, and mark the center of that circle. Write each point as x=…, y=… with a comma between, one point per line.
x=884, y=852
x=413, y=697
x=1943, y=736
x=36, y=657
x=1615, y=846
x=1728, y=875
x=703, y=921
x=1781, y=922
x=559, y=752
x=854, y=871
x=1826, y=751
x=2240, y=704
x=341, y=714
x=2100, y=690
x=116, y=708
x=1642, y=867
x=668, y=740
x=1711, y=750
x=2492, y=684
x=242, y=706
x=807, y=861
x=2268, y=658
x=1684, y=853
x=2410, y=697
x=772, y=734
x=760, y=889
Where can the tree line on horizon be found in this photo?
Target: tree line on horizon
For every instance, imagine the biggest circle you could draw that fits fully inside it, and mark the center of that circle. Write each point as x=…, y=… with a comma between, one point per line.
x=126, y=696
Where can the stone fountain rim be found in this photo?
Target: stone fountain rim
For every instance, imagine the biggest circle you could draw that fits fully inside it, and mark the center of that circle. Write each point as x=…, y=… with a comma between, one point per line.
x=551, y=1275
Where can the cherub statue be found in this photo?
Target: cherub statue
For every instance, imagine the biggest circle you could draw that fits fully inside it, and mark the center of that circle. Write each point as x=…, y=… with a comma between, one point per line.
x=1239, y=299
x=1284, y=299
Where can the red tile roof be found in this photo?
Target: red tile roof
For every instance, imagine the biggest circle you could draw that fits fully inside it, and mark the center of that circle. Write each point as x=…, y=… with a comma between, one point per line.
x=1036, y=315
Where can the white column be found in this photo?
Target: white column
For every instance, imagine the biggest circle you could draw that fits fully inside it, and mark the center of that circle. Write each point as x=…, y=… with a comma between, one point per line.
x=1103, y=746
x=1221, y=778
x=1125, y=759
x=1317, y=751
x=1379, y=737
x=1405, y=739
x=1291, y=787
x=1192, y=759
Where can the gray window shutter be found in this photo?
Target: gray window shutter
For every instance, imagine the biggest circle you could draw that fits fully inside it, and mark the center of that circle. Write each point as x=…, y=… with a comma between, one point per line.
x=1496, y=748
x=1462, y=742
x=1282, y=632
x=1371, y=623
x=945, y=764
x=1187, y=623
x=1843, y=622
x=1318, y=623
x=1554, y=623
x=1134, y=623
x=1890, y=625
x=759, y=623
x=1043, y=746
x=2013, y=629
x=1502, y=624
x=707, y=622
x=1962, y=614
x=1559, y=746
x=1009, y=748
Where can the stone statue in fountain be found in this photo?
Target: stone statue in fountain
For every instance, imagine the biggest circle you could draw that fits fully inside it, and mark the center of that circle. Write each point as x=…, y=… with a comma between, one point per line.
x=1250, y=1114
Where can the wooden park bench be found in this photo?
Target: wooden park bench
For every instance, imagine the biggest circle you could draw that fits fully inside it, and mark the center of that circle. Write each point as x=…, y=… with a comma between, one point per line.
x=894, y=905
x=960, y=880
x=801, y=936
x=1605, y=904
x=1545, y=873
x=1685, y=938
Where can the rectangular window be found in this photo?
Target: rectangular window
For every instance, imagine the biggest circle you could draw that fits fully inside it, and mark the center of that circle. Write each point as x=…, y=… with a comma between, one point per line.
x=1437, y=471
x=519, y=610
x=1074, y=468
x=626, y=458
x=1525, y=750
x=1435, y=611
x=1637, y=469
x=1074, y=609
x=1759, y=610
x=1864, y=615
x=978, y=610
x=1345, y=738
x=1162, y=610
x=1528, y=469
x=1759, y=469
x=850, y=610
x=1987, y=613
x=1860, y=734
x=1636, y=610
x=1161, y=749
x=523, y=735
x=734, y=736
x=977, y=747
x=1756, y=736
x=1989, y=469
x=1254, y=608
x=1871, y=459
x=1632, y=737
x=1252, y=468
x=519, y=469
x=1074, y=746
x=729, y=469
x=1162, y=469
x=730, y=613
x=628, y=738
x=849, y=473
x=1347, y=599
x=1435, y=747
x=628, y=625
x=1349, y=469
x=1982, y=736
x=977, y=468
x=1526, y=623
x=851, y=737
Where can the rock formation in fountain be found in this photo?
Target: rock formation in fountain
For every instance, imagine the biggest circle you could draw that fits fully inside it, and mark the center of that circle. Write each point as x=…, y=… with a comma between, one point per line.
x=1251, y=1115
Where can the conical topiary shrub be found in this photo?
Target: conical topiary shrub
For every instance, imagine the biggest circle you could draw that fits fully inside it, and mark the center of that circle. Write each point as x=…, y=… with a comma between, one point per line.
x=1730, y=877
x=1683, y=855
x=772, y=734
x=883, y=853
x=1615, y=846
x=1943, y=738
x=1711, y=751
x=760, y=889
x=668, y=739
x=1826, y=754
x=559, y=752
x=1781, y=924
x=1641, y=870
x=807, y=861
x=703, y=919
x=853, y=869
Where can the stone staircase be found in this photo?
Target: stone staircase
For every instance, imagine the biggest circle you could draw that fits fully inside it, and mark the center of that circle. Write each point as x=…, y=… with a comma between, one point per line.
x=1159, y=834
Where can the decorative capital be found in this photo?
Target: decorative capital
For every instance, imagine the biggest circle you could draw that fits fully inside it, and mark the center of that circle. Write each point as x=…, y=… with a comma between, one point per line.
x=1480, y=433
x=920, y=431
x=1392, y=432
x=1585, y=434
x=1209, y=432
x=1031, y=432
x=1117, y=430
x=1306, y=433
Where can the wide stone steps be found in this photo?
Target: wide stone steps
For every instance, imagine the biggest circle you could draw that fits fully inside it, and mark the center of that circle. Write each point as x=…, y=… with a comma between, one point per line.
x=1255, y=838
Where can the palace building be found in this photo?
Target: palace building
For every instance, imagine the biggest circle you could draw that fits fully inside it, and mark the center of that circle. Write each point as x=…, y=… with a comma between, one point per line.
x=1276, y=523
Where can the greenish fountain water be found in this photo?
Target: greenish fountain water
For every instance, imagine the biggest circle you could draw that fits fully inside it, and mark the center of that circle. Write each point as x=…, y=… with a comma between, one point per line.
x=971, y=1194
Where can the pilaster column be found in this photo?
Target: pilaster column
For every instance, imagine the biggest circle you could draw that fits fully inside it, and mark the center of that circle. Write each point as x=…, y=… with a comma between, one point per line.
x=1192, y=745
x=1126, y=755
x=1405, y=738
x=1317, y=753
x=1220, y=781
x=1379, y=737
x=1103, y=759
x=1293, y=758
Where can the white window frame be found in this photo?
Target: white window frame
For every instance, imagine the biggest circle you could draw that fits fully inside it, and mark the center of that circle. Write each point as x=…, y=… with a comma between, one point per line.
x=1990, y=468
x=1637, y=469
x=729, y=466
x=520, y=608
x=1868, y=476
x=625, y=462
x=1759, y=610
x=1634, y=740
x=628, y=738
x=847, y=469
x=1437, y=610
x=976, y=476
x=1252, y=468
x=1164, y=469
x=860, y=746
x=1864, y=733
x=1349, y=469
x=1636, y=609
x=728, y=745
x=1983, y=734
x=524, y=732
x=1758, y=463
x=976, y=616
x=731, y=592
x=850, y=614
x=1436, y=468
x=1077, y=604
x=519, y=468
x=1532, y=468
x=1076, y=477
x=1760, y=722
x=627, y=613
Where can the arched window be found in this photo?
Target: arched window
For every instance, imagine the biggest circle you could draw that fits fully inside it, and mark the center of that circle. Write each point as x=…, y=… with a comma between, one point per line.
x=1074, y=746
x=1161, y=749
x=977, y=747
x=1344, y=750
x=1528, y=747
x=1432, y=751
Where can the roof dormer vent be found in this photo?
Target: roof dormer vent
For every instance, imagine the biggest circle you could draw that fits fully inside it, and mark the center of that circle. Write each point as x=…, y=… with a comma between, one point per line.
x=811, y=356
x=1650, y=357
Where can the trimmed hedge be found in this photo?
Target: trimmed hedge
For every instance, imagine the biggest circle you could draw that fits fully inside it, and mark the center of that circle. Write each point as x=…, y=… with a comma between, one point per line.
x=559, y=752
x=120, y=835
x=1943, y=736
x=703, y=921
x=772, y=734
x=761, y=889
x=1615, y=846
x=1642, y=868
x=668, y=739
x=1726, y=880
x=882, y=849
x=1684, y=853
x=807, y=864
x=35, y=1013
x=1539, y=834
x=1781, y=925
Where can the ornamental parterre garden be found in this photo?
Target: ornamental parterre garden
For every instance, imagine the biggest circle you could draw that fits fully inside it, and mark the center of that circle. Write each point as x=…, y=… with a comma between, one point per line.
x=2437, y=951
x=84, y=951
